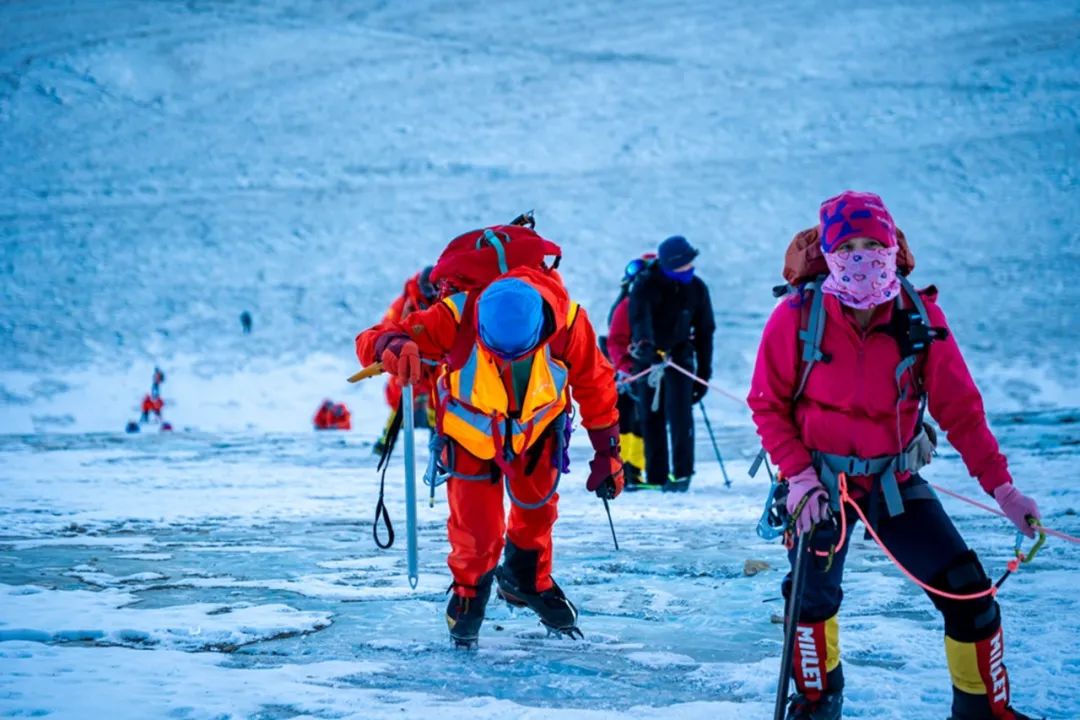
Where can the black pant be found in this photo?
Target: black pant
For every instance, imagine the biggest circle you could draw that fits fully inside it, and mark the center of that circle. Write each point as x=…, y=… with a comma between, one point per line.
x=924, y=539
x=627, y=406
x=675, y=411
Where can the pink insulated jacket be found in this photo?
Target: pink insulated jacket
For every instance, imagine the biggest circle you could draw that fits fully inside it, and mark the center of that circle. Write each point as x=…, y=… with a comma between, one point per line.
x=849, y=405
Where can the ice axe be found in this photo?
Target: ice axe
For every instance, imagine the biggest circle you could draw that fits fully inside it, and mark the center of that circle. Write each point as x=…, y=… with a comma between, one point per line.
x=369, y=372
x=408, y=422
x=791, y=624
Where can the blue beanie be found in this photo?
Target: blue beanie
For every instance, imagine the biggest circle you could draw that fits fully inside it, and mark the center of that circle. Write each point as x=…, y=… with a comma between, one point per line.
x=675, y=252
x=510, y=315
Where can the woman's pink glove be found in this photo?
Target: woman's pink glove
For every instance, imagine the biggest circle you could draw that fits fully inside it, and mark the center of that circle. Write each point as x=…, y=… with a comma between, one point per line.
x=1018, y=507
x=807, y=485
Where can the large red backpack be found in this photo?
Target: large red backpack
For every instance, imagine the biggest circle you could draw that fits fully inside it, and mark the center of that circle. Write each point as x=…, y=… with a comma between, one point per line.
x=475, y=259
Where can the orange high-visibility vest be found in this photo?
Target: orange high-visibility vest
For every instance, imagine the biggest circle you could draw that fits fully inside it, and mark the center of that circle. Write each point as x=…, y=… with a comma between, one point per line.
x=476, y=404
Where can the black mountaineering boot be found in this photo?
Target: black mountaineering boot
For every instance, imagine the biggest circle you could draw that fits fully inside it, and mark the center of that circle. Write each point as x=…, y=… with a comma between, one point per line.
x=675, y=484
x=976, y=707
x=517, y=586
x=464, y=615
x=827, y=707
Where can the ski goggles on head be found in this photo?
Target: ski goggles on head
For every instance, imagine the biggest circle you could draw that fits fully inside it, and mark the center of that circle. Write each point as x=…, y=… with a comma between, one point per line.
x=428, y=289
x=633, y=268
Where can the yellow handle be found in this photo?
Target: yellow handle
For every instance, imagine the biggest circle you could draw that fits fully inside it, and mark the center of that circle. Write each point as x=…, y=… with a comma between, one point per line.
x=368, y=372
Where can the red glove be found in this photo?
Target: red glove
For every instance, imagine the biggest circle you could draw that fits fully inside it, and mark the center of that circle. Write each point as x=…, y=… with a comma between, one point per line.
x=606, y=469
x=401, y=358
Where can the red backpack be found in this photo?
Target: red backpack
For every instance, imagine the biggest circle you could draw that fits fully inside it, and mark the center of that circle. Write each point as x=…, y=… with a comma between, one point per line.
x=472, y=260
x=475, y=259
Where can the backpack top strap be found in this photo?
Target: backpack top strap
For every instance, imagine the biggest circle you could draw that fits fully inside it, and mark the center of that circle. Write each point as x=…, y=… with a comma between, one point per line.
x=812, y=334
x=493, y=238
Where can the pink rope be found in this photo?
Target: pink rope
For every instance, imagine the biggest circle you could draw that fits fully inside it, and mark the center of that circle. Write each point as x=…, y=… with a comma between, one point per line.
x=707, y=384
x=638, y=376
x=995, y=511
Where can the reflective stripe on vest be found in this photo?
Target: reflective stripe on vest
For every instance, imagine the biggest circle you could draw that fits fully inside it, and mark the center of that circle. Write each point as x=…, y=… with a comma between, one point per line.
x=475, y=398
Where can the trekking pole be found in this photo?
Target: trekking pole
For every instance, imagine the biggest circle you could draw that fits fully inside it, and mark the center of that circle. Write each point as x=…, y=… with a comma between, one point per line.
x=410, y=482
x=792, y=608
x=715, y=447
x=611, y=524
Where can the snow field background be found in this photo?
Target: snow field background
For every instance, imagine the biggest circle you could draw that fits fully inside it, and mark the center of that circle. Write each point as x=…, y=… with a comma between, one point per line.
x=167, y=166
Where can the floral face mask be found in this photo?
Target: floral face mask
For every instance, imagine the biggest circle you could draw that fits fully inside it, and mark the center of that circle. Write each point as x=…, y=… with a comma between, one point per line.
x=862, y=279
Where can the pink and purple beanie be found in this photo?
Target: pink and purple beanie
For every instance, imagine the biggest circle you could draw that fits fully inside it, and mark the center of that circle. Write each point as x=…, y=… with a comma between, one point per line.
x=855, y=214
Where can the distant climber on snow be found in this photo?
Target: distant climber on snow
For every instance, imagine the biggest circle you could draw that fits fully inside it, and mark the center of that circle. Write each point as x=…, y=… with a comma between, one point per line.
x=151, y=405
x=332, y=416
x=155, y=382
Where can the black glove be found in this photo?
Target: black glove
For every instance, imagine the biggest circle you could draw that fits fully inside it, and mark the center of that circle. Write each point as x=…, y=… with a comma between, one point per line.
x=698, y=392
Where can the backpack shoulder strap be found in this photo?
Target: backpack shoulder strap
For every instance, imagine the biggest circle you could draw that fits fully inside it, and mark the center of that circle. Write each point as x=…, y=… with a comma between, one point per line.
x=916, y=299
x=559, y=342
x=571, y=314
x=811, y=335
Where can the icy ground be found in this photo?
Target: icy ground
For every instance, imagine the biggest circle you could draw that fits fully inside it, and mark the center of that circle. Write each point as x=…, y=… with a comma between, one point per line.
x=234, y=576
x=167, y=165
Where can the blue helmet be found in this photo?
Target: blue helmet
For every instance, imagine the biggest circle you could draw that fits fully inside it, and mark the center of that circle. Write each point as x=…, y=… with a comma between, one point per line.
x=510, y=316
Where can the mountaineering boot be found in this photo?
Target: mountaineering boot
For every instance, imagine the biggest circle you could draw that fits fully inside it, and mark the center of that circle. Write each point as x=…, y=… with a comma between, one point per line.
x=517, y=586
x=635, y=480
x=464, y=615
x=674, y=484
x=966, y=706
x=826, y=707
x=980, y=680
x=817, y=671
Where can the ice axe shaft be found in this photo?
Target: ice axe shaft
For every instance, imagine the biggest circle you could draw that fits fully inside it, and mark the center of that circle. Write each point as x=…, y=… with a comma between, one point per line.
x=791, y=623
x=410, y=482
x=369, y=372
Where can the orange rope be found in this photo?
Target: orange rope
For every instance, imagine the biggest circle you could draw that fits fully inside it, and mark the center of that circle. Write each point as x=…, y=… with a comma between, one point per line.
x=845, y=499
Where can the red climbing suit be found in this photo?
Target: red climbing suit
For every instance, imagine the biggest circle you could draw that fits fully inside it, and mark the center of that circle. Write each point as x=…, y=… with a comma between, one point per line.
x=476, y=388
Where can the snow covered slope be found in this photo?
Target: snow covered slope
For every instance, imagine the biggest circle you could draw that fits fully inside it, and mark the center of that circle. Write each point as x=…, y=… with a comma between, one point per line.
x=167, y=165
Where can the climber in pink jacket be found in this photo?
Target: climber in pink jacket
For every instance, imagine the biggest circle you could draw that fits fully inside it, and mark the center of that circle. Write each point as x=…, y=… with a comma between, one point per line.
x=855, y=405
